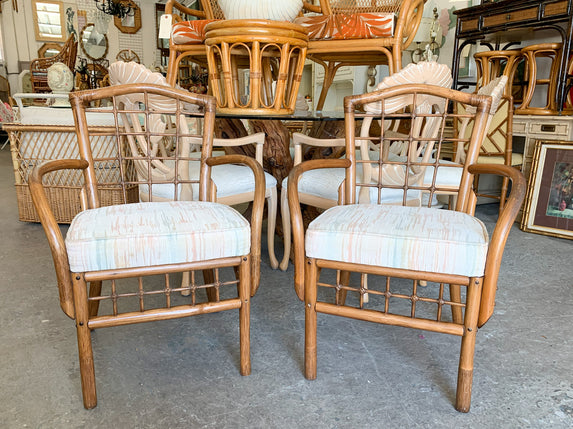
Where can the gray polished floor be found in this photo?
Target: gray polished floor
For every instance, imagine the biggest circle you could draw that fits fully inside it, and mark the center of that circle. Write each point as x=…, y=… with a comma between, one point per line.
x=184, y=373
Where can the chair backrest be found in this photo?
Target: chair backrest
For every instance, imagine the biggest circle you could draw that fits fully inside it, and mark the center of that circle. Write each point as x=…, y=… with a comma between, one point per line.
x=39, y=67
x=139, y=125
x=359, y=6
x=499, y=120
x=423, y=129
x=390, y=173
x=159, y=143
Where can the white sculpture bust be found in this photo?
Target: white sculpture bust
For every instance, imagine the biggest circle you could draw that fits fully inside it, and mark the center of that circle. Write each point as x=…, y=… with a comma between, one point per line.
x=60, y=81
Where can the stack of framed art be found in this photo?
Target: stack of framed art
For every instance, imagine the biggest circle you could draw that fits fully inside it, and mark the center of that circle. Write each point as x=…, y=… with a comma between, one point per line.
x=548, y=206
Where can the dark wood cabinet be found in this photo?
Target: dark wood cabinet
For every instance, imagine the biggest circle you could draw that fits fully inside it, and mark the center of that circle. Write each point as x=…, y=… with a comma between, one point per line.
x=506, y=23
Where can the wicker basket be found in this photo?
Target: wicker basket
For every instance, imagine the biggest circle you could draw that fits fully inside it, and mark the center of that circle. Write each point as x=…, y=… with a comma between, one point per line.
x=33, y=144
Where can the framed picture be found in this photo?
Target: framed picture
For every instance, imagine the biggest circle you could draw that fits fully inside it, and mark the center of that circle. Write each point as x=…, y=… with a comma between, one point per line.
x=549, y=200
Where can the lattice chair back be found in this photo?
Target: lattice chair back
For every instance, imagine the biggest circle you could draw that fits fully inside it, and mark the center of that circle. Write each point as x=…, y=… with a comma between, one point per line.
x=360, y=6
x=397, y=178
x=494, y=141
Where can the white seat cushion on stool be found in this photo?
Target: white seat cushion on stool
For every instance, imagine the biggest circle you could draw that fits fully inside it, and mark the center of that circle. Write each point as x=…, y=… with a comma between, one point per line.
x=150, y=234
x=413, y=238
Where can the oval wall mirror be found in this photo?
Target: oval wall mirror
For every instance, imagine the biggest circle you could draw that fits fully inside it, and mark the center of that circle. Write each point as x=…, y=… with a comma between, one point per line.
x=93, y=44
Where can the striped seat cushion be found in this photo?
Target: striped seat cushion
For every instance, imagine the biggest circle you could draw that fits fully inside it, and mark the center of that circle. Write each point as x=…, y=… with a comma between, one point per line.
x=348, y=26
x=186, y=32
x=413, y=238
x=150, y=234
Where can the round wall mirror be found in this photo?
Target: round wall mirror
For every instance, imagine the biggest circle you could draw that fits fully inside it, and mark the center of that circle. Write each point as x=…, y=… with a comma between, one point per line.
x=93, y=44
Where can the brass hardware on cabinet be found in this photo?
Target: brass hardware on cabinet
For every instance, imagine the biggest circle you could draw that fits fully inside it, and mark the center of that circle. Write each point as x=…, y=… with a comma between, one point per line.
x=547, y=128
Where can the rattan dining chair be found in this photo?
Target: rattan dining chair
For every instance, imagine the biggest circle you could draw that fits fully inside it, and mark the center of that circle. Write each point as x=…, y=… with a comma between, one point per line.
x=116, y=264
x=234, y=183
x=392, y=244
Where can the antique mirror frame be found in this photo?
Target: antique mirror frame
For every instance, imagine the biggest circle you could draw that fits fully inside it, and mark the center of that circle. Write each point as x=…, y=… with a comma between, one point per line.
x=84, y=48
x=49, y=47
x=129, y=24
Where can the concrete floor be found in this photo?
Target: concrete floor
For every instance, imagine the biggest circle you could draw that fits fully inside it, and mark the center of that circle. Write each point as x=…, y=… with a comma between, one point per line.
x=184, y=373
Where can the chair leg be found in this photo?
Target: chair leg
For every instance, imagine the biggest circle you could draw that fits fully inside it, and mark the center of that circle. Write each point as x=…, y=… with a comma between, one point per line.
x=272, y=202
x=244, y=315
x=172, y=67
x=85, y=352
x=503, y=195
x=329, y=73
x=456, y=296
x=285, y=215
x=341, y=294
x=212, y=292
x=310, y=290
x=95, y=290
x=184, y=283
x=466, y=367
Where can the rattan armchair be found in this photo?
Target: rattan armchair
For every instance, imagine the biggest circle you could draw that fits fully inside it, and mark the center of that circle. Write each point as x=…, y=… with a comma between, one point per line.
x=397, y=246
x=188, y=34
x=359, y=32
x=137, y=248
x=39, y=67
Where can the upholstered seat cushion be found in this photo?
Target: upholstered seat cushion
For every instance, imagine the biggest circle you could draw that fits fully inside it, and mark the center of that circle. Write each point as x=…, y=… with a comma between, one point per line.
x=230, y=180
x=348, y=26
x=325, y=183
x=148, y=234
x=187, y=32
x=414, y=238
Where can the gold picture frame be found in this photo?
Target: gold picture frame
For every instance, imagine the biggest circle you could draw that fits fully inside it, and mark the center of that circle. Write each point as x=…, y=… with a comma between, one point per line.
x=549, y=200
x=131, y=23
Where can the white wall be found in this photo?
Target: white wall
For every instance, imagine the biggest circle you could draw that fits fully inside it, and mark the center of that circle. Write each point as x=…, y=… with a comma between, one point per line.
x=21, y=46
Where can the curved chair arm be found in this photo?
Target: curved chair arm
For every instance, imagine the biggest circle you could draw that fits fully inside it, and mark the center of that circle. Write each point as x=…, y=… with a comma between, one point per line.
x=173, y=4
x=410, y=17
x=257, y=212
x=296, y=214
x=51, y=228
x=309, y=7
x=500, y=232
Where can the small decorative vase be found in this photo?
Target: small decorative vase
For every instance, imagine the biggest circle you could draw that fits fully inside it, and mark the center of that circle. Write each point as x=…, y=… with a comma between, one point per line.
x=60, y=81
x=276, y=10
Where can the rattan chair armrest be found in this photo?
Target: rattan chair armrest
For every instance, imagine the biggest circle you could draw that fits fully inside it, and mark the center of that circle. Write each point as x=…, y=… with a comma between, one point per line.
x=309, y=7
x=500, y=232
x=51, y=228
x=257, y=212
x=296, y=214
x=172, y=4
x=409, y=19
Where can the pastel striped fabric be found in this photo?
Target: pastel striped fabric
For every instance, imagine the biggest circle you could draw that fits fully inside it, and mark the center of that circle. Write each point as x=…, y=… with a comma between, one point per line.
x=414, y=238
x=230, y=180
x=186, y=32
x=348, y=26
x=149, y=234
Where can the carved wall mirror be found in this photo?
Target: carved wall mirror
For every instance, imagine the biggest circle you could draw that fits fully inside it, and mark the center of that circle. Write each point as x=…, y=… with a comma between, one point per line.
x=130, y=23
x=93, y=44
x=48, y=20
x=49, y=49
